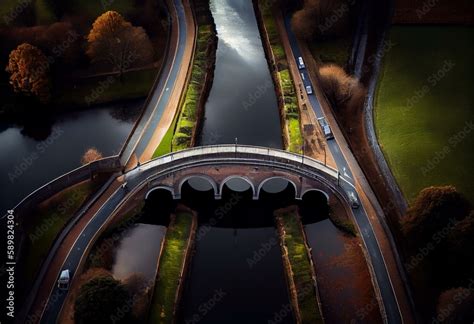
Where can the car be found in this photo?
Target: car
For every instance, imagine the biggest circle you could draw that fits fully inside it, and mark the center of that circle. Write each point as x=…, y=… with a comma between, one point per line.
x=302, y=76
x=325, y=128
x=353, y=200
x=63, y=281
x=301, y=64
x=309, y=89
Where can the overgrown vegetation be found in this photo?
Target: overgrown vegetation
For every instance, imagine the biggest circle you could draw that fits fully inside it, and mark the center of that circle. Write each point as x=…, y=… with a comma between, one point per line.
x=439, y=249
x=46, y=223
x=169, y=270
x=286, y=85
x=295, y=246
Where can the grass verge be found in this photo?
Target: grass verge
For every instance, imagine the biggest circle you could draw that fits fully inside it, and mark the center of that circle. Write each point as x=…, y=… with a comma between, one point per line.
x=292, y=238
x=169, y=270
x=49, y=219
x=285, y=82
x=423, y=113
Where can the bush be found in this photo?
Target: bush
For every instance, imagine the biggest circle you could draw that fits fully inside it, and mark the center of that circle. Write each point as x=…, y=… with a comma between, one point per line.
x=91, y=155
x=99, y=300
x=343, y=91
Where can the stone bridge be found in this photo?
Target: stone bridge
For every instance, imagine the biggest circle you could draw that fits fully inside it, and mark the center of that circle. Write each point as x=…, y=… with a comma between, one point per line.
x=240, y=168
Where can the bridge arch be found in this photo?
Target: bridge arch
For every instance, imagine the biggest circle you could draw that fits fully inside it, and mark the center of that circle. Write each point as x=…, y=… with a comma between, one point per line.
x=277, y=178
x=307, y=191
x=207, y=180
x=237, y=183
x=164, y=188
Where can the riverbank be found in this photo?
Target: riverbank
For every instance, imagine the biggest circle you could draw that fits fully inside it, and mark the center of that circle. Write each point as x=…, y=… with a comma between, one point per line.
x=299, y=270
x=283, y=82
x=186, y=125
x=173, y=264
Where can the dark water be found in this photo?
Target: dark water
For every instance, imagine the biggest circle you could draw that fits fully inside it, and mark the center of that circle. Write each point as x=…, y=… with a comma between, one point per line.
x=35, y=154
x=236, y=274
x=128, y=262
x=242, y=103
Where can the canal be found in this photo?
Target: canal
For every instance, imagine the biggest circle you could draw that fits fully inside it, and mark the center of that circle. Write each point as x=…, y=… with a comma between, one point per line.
x=35, y=154
x=237, y=272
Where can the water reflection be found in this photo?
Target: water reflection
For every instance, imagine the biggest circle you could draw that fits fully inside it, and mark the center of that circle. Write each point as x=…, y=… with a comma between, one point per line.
x=242, y=103
x=134, y=257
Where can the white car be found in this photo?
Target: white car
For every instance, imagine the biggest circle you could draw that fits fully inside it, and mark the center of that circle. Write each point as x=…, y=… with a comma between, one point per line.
x=303, y=77
x=301, y=63
x=353, y=200
x=309, y=89
x=63, y=281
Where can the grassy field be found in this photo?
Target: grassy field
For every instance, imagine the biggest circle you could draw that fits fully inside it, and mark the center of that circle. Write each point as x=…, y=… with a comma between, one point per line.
x=293, y=240
x=135, y=84
x=424, y=108
x=169, y=270
x=286, y=84
x=48, y=221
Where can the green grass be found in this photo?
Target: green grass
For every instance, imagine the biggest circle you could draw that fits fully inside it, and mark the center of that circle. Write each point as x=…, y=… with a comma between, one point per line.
x=169, y=270
x=290, y=102
x=179, y=135
x=136, y=84
x=332, y=50
x=414, y=134
x=48, y=221
x=44, y=13
x=94, y=8
x=301, y=267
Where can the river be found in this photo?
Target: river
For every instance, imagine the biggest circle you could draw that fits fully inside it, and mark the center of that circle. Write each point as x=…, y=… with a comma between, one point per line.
x=34, y=155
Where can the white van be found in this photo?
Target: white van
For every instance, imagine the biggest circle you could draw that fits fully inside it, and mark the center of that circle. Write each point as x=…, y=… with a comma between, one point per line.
x=353, y=200
x=309, y=89
x=63, y=281
x=301, y=63
x=325, y=128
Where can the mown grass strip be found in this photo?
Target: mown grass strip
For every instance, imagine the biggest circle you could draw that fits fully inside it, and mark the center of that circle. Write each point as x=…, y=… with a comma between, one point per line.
x=291, y=235
x=285, y=82
x=169, y=271
x=179, y=135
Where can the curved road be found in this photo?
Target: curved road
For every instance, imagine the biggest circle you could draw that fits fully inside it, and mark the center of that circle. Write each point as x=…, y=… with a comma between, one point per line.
x=390, y=302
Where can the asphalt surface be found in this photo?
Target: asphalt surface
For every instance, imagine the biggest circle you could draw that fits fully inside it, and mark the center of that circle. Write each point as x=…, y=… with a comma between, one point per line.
x=136, y=145
x=149, y=122
x=383, y=280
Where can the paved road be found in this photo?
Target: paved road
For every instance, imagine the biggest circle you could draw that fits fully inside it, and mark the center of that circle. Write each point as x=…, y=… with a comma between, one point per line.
x=383, y=280
x=136, y=145
x=161, y=96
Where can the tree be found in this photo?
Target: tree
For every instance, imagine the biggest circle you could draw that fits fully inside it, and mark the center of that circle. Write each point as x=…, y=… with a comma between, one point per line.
x=455, y=306
x=29, y=72
x=341, y=89
x=91, y=155
x=434, y=209
x=116, y=43
x=102, y=300
x=322, y=19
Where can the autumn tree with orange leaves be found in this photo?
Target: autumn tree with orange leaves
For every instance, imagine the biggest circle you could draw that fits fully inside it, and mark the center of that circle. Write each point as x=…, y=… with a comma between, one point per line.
x=29, y=72
x=114, y=42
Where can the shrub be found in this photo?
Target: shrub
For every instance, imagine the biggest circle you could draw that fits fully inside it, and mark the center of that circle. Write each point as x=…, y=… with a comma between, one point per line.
x=91, y=155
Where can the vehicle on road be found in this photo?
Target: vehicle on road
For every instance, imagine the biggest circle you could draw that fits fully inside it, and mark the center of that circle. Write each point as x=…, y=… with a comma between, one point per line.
x=325, y=128
x=353, y=200
x=301, y=64
x=63, y=281
x=309, y=89
x=302, y=76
